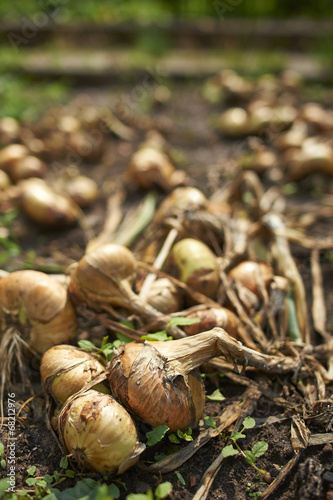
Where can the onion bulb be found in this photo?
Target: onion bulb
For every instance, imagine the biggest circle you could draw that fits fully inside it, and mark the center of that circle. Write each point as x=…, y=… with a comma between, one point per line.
x=150, y=166
x=196, y=266
x=314, y=156
x=26, y=167
x=165, y=296
x=40, y=304
x=81, y=189
x=104, y=277
x=234, y=122
x=181, y=199
x=250, y=273
x=66, y=369
x=45, y=206
x=154, y=381
x=10, y=154
x=211, y=317
x=159, y=381
x=99, y=433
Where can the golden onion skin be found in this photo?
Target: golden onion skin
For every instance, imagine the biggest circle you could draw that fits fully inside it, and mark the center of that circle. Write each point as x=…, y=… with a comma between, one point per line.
x=99, y=433
x=143, y=381
x=44, y=206
x=99, y=271
x=165, y=296
x=66, y=369
x=211, y=317
x=40, y=303
x=248, y=273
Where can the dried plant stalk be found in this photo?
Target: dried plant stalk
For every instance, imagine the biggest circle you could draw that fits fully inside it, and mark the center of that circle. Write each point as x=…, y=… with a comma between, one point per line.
x=289, y=269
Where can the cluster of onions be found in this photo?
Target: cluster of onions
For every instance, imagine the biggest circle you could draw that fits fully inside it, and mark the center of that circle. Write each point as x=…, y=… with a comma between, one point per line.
x=97, y=430
x=17, y=161
x=239, y=122
x=151, y=167
x=41, y=304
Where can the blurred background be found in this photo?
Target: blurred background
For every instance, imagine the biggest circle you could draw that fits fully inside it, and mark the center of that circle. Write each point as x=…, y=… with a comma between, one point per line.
x=50, y=47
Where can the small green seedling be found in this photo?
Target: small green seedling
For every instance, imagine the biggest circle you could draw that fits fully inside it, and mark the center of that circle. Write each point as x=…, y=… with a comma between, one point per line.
x=186, y=436
x=163, y=336
x=250, y=456
x=257, y=450
x=251, y=489
x=163, y=490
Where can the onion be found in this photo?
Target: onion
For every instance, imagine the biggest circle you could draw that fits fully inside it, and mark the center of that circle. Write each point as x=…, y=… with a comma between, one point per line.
x=314, y=156
x=250, y=273
x=180, y=200
x=4, y=180
x=234, y=122
x=159, y=381
x=145, y=379
x=26, y=167
x=211, y=317
x=80, y=189
x=165, y=296
x=45, y=206
x=9, y=155
x=41, y=304
x=99, y=433
x=151, y=167
x=104, y=277
x=9, y=129
x=66, y=369
x=196, y=265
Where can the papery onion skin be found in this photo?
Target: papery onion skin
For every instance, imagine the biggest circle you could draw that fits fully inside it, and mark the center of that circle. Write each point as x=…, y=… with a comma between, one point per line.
x=211, y=317
x=165, y=296
x=66, y=369
x=99, y=433
x=45, y=206
x=142, y=380
x=41, y=304
x=248, y=273
x=99, y=271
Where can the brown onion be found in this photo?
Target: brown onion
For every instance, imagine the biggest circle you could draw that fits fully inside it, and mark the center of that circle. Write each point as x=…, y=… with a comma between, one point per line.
x=314, y=156
x=159, y=381
x=234, y=122
x=40, y=304
x=80, y=189
x=99, y=433
x=164, y=296
x=145, y=379
x=250, y=274
x=45, y=206
x=26, y=167
x=149, y=167
x=211, y=317
x=9, y=155
x=104, y=277
x=180, y=200
x=66, y=369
